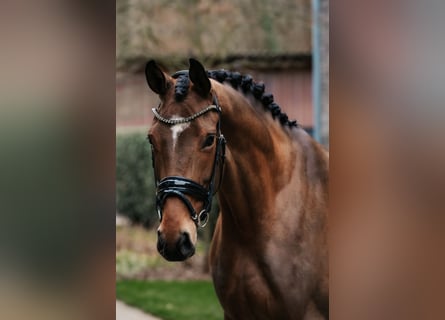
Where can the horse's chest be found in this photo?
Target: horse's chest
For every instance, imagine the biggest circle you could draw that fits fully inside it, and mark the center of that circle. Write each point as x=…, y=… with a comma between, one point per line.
x=269, y=285
x=244, y=291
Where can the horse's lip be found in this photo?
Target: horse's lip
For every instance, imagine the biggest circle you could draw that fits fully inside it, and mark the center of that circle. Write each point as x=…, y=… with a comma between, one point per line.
x=172, y=257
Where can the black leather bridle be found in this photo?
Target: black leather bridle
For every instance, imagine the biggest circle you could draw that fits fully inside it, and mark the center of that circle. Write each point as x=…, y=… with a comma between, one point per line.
x=175, y=186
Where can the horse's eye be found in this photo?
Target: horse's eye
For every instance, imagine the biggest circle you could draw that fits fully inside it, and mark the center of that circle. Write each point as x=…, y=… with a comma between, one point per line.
x=210, y=139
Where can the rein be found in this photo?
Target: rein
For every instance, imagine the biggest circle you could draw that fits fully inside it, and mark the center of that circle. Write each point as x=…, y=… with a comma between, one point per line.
x=175, y=186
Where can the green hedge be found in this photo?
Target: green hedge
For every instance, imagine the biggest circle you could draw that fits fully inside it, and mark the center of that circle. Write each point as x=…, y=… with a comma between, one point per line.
x=135, y=187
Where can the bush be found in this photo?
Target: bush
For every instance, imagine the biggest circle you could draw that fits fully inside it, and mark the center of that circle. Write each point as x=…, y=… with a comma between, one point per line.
x=135, y=185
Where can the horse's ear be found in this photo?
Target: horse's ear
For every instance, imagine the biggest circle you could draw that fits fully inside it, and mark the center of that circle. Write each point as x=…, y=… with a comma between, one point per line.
x=155, y=78
x=199, y=77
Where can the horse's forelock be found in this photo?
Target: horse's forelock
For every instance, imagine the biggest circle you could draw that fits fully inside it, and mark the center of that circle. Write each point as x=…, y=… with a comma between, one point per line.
x=181, y=87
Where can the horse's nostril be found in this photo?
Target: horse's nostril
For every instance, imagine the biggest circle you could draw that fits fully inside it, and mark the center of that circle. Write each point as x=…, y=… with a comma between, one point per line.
x=185, y=245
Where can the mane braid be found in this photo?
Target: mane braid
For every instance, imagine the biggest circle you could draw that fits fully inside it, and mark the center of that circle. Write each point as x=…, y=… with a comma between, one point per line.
x=181, y=87
x=246, y=83
x=237, y=80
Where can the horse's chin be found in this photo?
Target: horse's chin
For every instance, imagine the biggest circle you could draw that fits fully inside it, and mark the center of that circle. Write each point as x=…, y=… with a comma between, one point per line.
x=175, y=257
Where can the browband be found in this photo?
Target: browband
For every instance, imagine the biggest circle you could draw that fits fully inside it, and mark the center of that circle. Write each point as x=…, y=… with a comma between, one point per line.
x=184, y=120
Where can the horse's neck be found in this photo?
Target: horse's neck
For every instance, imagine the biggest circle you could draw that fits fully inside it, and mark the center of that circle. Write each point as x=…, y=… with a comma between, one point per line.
x=261, y=160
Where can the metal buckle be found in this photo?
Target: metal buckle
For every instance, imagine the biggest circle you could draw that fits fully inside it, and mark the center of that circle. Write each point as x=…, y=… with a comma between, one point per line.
x=159, y=211
x=194, y=217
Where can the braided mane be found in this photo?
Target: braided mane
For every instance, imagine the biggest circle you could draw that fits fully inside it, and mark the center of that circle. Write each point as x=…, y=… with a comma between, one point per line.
x=181, y=87
x=237, y=80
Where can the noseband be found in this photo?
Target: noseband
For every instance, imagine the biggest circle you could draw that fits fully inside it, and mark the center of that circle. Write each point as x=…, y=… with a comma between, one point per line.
x=180, y=187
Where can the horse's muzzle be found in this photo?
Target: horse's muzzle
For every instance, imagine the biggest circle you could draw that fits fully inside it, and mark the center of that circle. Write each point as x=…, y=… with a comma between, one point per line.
x=181, y=250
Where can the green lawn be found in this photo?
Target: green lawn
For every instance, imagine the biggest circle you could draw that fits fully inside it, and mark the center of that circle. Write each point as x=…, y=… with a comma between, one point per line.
x=172, y=300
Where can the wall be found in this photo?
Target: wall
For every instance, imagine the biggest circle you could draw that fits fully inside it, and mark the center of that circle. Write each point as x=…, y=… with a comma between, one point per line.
x=292, y=90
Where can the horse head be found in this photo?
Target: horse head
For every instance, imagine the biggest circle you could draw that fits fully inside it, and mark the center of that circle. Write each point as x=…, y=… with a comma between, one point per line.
x=188, y=149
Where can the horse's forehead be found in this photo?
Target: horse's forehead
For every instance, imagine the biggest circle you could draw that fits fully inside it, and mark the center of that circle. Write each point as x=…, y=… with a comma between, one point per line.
x=177, y=130
x=170, y=108
x=183, y=108
x=171, y=132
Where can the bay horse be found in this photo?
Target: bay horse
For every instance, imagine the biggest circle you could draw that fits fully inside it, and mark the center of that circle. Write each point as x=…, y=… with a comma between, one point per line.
x=269, y=255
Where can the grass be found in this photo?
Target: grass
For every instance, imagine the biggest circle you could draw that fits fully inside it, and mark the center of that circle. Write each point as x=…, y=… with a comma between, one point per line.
x=172, y=300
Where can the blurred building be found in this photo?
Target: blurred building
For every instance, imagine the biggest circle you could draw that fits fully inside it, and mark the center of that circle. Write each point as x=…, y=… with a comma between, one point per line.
x=271, y=40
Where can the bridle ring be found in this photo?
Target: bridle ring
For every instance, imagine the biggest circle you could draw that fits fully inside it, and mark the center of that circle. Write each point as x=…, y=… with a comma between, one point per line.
x=203, y=218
